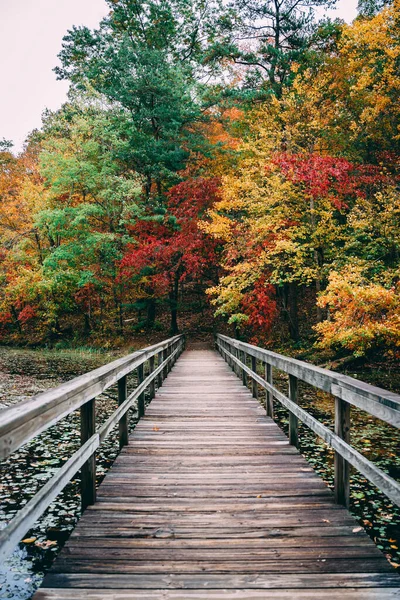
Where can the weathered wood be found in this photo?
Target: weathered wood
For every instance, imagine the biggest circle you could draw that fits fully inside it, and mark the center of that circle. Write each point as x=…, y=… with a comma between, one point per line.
x=386, y=484
x=242, y=357
x=88, y=470
x=84, y=458
x=293, y=420
x=123, y=422
x=152, y=386
x=362, y=582
x=219, y=594
x=380, y=403
x=164, y=359
x=342, y=470
x=269, y=397
x=254, y=386
x=141, y=402
x=208, y=500
x=160, y=375
x=24, y=421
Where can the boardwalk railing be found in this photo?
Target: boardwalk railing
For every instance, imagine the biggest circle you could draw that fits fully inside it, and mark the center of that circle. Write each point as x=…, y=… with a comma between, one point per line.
x=20, y=423
x=347, y=391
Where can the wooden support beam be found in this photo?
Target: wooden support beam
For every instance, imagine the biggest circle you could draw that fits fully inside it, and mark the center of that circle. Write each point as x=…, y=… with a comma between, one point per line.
x=141, y=403
x=269, y=397
x=123, y=422
x=254, y=383
x=160, y=375
x=165, y=369
x=152, y=386
x=88, y=470
x=342, y=467
x=293, y=420
x=243, y=357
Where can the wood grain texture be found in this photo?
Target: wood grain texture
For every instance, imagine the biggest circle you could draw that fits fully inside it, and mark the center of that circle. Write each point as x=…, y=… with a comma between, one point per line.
x=209, y=501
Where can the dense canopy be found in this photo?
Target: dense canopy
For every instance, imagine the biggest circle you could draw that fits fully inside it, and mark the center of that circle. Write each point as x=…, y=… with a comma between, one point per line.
x=238, y=158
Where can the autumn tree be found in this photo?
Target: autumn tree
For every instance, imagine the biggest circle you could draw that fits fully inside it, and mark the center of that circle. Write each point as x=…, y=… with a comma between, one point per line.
x=143, y=60
x=170, y=250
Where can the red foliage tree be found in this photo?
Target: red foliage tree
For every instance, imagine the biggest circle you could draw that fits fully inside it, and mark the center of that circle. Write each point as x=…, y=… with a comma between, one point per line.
x=170, y=251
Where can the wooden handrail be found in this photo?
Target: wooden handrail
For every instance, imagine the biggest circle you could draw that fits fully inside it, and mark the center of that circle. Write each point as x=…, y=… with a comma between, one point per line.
x=21, y=423
x=347, y=391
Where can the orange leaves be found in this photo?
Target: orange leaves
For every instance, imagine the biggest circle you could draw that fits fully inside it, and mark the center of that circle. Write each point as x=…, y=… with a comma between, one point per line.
x=363, y=315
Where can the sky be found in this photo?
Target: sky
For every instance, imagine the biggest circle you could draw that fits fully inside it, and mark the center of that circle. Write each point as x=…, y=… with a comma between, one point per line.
x=31, y=33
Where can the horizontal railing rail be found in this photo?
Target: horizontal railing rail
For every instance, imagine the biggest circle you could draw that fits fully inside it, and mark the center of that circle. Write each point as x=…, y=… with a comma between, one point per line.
x=23, y=422
x=347, y=391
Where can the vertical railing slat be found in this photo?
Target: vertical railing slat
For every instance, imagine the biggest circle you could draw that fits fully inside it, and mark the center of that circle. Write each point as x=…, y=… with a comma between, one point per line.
x=293, y=421
x=152, y=387
x=141, y=403
x=123, y=422
x=88, y=470
x=254, y=386
x=342, y=469
x=269, y=397
x=243, y=358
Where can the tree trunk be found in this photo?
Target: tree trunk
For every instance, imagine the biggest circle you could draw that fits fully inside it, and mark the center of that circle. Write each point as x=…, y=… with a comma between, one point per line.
x=16, y=320
x=87, y=327
x=293, y=312
x=151, y=313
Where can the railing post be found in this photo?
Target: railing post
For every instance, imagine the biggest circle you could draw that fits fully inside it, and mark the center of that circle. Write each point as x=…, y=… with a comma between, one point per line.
x=234, y=366
x=269, y=397
x=141, y=403
x=152, y=386
x=123, y=422
x=293, y=420
x=164, y=357
x=342, y=469
x=169, y=362
x=88, y=470
x=254, y=386
x=243, y=358
x=160, y=375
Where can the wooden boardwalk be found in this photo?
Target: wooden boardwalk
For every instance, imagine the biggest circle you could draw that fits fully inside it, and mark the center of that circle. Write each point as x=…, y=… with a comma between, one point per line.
x=208, y=500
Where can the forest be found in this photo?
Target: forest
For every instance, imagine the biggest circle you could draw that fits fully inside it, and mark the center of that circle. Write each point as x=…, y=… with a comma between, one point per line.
x=231, y=164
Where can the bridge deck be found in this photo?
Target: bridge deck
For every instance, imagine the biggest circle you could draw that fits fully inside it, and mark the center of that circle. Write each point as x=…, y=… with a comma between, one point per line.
x=208, y=500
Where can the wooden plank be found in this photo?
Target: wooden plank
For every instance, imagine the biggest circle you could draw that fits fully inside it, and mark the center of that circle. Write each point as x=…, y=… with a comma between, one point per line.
x=290, y=581
x=245, y=594
x=68, y=564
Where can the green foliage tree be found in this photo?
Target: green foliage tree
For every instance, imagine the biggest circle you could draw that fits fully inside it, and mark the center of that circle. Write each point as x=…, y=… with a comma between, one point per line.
x=267, y=38
x=369, y=8
x=143, y=59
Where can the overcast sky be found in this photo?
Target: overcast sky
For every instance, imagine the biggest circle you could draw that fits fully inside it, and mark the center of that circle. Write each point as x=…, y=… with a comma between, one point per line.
x=31, y=32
